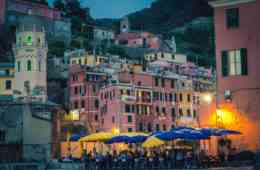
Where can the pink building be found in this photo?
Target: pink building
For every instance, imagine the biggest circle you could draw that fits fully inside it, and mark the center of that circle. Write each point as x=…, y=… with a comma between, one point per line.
x=84, y=86
x=138, y=39
x=143, y=102
x=238, y=61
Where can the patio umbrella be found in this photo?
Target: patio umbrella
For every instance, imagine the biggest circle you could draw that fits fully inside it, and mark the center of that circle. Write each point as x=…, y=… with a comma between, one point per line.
x=185, y=133
x=75, y=137
x=152, y=142
x=224, y=132
x=131, y=137
x=97, y=137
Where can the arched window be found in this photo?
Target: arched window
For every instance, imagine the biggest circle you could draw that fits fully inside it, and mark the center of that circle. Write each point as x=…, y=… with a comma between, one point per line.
x=18, y=66
x=29, y=65
x=40, y=65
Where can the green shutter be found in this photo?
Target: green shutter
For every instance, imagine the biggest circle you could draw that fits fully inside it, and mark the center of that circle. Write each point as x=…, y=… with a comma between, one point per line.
x=224, y=65
x=244, y=61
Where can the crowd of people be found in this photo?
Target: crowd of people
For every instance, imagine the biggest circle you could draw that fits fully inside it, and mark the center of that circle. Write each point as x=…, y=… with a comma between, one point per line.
x=167, y=159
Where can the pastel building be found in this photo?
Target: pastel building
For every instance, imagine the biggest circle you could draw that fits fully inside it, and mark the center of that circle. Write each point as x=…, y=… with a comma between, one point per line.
x=146, y=102
x=84, y=85
x=81, y=57
x=138, y=40
x=166, y=56
x=6, y=79
x=30, y=53
x=101, y=33
x=237, y=56
x=14, y=13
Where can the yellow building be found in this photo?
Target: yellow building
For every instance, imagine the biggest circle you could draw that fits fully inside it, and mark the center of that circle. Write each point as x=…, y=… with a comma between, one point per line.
x=166, y=56
x=90, y=60
x=187, y=104
x=6, y=79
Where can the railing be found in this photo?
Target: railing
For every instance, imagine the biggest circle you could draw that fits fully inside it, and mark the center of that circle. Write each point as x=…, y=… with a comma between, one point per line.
x=21, y=166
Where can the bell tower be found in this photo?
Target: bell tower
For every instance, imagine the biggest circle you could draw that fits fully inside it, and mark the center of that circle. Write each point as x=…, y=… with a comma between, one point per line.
x=124, y=25
x=30, y=64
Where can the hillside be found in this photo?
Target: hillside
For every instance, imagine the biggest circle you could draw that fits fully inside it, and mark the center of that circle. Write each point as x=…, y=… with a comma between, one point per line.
x=165, y=15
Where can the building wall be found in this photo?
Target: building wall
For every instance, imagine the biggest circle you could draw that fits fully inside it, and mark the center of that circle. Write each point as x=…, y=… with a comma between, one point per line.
x=138, y=91
x=244, y=100
x=2, y=11
x=6, y=74
x=102, y=34
x=164, y=56
x=36, y=52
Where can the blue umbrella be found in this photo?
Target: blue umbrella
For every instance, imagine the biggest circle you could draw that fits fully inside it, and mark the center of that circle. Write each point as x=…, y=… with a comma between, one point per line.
x=186, y=133
x=127, y=139
x=224, y=132
x=75, y=137
x=219, y=132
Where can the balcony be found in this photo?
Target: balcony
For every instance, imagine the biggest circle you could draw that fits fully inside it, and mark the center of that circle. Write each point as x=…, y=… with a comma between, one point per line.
x=127, y=98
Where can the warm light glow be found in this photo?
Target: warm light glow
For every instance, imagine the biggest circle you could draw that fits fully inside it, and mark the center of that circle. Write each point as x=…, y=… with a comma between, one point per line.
x=225, y=117
x=115, y=130
x=207, y=98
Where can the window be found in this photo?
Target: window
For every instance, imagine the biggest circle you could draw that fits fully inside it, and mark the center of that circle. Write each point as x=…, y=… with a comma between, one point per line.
x=76, y=90
x=129, y=119
x=163, y=82
x=175, y=97
x=232, y=18
x=2, y=136
x=172, y=84
x=96, y=118
x=149, y=127
x=157, y=127
x=8, y=84
x=156, y=81
x=128, y=92
x=173, y=56
x=96, y=104
x=29, y=65
x=18, y=66
x=39, y=65
x=164, y=127
x=140, y=126
x=164, y=110
x=180, y=97
x=234, y=62
x=170, y=97
x=130, y=130
x=82, y=103
x=113, y=119
x=127, y=108
x=188, y=113
x=188, y=97
x=76, y=104
x=180, y=112
x=173, y=113
x=194, y=113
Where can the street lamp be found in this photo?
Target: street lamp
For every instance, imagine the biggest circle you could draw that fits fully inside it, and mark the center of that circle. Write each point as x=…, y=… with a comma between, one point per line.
x=207, y=98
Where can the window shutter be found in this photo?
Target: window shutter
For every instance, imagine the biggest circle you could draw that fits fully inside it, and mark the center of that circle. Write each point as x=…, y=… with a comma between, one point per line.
x=244, y=61
x=224, y=66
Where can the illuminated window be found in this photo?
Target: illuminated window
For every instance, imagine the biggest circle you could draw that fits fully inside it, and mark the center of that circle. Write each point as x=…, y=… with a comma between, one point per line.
x=234, y=62
x=29, y=40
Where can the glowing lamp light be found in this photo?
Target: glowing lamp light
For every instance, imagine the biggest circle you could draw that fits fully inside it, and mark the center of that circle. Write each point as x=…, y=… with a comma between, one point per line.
x=207, y=98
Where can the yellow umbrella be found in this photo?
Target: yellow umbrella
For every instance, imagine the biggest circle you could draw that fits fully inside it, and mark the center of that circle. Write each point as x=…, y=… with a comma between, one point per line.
x=152, y=142
x=97, y=137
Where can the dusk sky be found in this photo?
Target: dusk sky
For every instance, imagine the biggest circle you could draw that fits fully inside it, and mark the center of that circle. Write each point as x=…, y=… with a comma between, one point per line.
x=115, y=8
